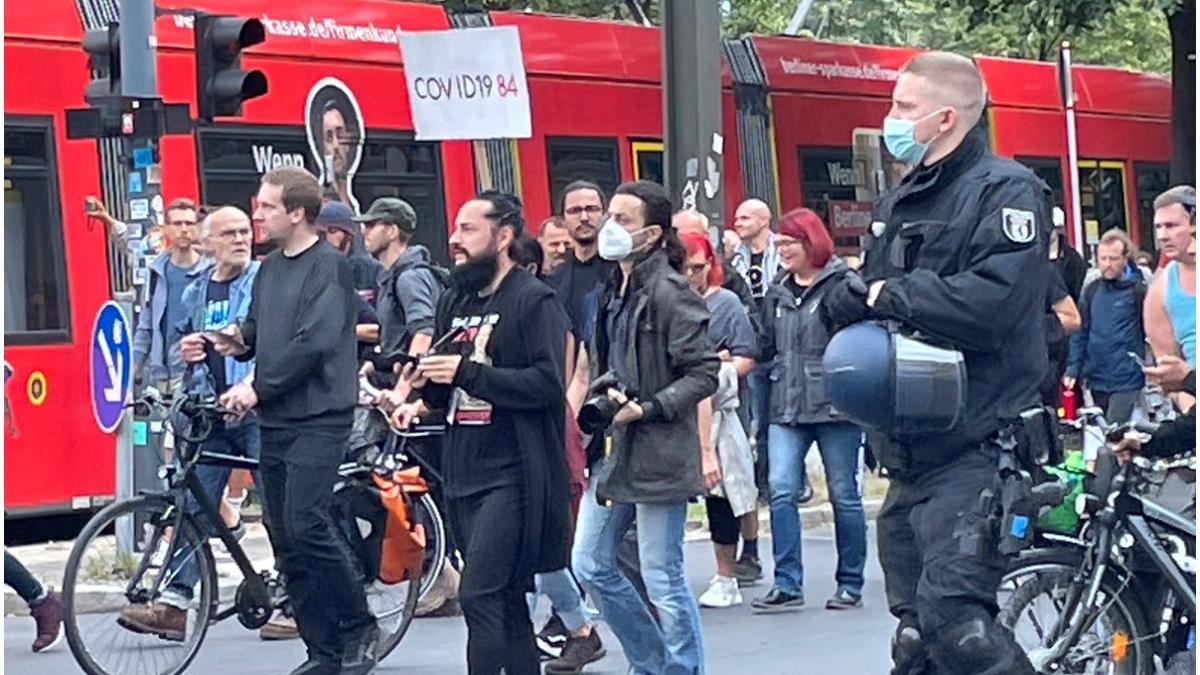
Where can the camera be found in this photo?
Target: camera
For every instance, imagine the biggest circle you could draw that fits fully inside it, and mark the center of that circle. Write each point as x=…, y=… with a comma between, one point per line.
x=597, y=413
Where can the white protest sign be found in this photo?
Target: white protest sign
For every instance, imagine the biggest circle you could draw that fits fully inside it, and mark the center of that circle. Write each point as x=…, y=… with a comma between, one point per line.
x=467, y=84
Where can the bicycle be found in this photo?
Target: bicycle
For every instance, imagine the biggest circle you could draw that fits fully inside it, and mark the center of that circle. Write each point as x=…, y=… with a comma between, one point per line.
x=1086, y=604
x=156, y=536
x=396, y=455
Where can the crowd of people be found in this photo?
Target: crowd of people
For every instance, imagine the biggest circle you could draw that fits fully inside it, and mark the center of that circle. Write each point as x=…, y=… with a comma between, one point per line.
x=599, y=375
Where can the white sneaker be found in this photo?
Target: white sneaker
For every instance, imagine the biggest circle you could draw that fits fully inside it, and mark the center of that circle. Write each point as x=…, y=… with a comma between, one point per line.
x=722, y=592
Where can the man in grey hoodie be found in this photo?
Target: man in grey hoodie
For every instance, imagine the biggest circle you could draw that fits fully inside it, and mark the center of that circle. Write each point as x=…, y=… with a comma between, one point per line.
x=409, y=285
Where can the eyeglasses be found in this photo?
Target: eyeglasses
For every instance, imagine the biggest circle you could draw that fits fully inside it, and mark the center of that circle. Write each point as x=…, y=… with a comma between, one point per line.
x=693, y=270
x=590, y=209
x=785, y=243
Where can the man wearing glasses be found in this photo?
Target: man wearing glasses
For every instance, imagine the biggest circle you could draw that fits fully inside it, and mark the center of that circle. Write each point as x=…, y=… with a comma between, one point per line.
x=577, y=279
x=155, y=343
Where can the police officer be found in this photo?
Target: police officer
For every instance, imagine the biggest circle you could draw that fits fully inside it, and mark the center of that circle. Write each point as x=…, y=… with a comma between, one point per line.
x=956, y=254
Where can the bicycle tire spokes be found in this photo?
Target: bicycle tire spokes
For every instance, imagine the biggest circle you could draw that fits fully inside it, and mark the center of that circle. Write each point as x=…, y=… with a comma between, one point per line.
x=115, y=579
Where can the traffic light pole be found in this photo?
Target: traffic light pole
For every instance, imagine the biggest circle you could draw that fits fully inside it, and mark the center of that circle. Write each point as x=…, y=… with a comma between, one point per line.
x=693, y=146
x=139, y=82
x=138, y=47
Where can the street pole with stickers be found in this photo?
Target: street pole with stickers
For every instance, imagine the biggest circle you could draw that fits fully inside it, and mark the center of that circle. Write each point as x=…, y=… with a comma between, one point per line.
x=126, y=110
x=694, y=147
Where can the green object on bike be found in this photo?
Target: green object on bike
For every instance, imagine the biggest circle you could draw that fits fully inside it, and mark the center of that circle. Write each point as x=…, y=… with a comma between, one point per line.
x=1063, y=518
x=140, y=433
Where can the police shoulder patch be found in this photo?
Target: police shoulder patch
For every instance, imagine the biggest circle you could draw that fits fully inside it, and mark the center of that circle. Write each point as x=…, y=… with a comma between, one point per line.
x=1019, y=225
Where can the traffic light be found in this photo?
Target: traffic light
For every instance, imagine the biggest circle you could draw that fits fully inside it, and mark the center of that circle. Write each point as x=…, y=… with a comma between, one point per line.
x=221, y=84
x=103, y=47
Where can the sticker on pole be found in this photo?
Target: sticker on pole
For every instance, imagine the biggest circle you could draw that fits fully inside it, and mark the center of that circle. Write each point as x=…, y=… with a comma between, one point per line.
x=112, y=365
x=466, y=84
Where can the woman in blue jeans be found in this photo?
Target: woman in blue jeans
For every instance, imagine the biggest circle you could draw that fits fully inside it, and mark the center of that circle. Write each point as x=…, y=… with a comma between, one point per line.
x=801, y=415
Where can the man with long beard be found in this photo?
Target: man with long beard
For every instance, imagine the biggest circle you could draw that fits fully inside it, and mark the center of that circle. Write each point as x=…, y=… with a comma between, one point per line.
x=497, y=375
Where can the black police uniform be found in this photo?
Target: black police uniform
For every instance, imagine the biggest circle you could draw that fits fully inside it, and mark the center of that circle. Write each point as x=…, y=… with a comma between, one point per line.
x=963, y=252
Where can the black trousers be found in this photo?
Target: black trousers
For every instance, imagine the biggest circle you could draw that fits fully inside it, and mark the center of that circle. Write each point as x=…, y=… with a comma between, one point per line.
x=299, y=469
x=492, y=591
x=934, y=584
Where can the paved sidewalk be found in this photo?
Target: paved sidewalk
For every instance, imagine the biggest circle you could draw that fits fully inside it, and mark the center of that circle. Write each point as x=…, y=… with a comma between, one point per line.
x=47, y=561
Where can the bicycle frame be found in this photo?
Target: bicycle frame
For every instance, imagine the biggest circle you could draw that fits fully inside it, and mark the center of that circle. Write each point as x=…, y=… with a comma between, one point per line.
x=183, y=482
x=1125, y=512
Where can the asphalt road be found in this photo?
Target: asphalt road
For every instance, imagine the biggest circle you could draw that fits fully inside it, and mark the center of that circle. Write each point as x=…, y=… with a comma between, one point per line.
x=812, y=640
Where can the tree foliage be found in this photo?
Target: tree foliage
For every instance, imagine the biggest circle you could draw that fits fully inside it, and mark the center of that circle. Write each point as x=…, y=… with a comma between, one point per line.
x=1123, y=33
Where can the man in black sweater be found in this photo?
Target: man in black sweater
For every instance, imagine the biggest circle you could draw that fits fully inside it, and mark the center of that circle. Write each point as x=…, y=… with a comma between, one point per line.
x=497, y=375
x=301, y=331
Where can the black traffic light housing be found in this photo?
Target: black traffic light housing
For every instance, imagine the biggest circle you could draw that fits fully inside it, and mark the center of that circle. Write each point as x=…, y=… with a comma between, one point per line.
x=221, y=84
x=103, y=47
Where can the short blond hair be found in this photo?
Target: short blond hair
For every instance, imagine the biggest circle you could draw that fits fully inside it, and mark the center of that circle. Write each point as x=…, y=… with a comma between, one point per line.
x=955, y=78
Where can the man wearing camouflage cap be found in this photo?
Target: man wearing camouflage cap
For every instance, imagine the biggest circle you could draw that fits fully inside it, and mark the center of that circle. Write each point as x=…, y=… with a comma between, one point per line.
x=409, y=285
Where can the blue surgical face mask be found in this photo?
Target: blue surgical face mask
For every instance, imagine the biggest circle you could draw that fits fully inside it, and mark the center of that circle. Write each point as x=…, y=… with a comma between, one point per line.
x=900, y=138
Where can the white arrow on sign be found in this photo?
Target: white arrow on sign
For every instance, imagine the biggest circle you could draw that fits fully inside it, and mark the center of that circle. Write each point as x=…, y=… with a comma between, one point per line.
x=116, y=371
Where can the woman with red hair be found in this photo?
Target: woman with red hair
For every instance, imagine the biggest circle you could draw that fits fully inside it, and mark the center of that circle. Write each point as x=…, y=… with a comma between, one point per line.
x=733, y=503
x=795, y=337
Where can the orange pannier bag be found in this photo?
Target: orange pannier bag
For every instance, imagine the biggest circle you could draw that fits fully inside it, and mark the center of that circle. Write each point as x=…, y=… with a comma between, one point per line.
x=403, y=549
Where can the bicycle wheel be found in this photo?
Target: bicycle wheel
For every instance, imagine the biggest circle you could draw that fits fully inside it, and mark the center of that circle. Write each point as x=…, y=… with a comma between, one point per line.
x=394, y=606
x=119, y=565
x=1032, y=595
x=426, y=514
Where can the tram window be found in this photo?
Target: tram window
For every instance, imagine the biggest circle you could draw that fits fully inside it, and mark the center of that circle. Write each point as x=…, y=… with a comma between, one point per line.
x=1152, y=180
x=233, y=160
x=235, y=157
x=35, y=293
x=570, y=159
x=394, y=165
x=1049, y=169
x=398, y=158
x=648, y=162
x=829, y=174
x=1102, y=196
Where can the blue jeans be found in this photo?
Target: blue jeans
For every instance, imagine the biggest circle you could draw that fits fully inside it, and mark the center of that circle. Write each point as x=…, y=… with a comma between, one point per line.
x=840, y=445
x=565, y=597
x=677, y=646
x=759, y=380
x=242, y=440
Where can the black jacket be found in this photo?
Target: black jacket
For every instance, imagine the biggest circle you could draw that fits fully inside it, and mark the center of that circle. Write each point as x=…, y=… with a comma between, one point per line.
x=1071, y=265
x=581, y=305
x=795, y=338
x=657, y=458
x=970, y=273
x=527, y=378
